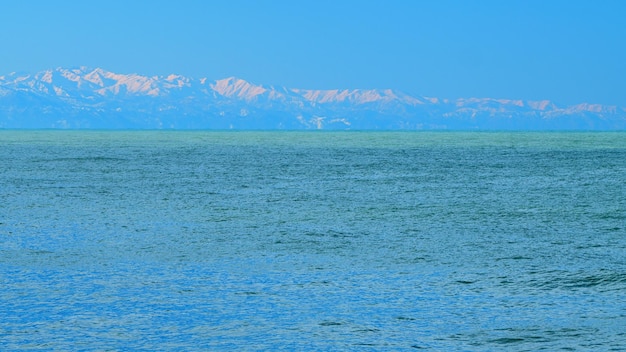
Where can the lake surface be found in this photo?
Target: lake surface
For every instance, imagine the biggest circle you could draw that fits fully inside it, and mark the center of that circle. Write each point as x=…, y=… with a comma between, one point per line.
x=312, y=241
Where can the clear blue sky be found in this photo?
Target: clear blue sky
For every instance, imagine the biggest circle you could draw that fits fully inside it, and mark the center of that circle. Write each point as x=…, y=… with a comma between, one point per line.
x=566, y=51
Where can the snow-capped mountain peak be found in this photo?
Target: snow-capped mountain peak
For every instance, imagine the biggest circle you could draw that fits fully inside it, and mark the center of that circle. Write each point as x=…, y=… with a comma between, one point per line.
x=234, y=87
x=94, y=97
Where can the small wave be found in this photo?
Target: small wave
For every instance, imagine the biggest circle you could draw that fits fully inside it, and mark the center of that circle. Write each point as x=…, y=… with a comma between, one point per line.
x=603, y=280
x=330, y=323
x=405, y=318
x=609, y=279
x=515, y=257
x=507, y=340
x=80, y=159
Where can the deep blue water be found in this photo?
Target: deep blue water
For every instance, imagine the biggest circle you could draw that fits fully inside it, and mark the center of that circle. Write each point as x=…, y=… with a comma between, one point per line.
x=312, y=241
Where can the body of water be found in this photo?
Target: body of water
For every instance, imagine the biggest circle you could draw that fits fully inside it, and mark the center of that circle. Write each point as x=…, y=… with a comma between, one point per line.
x=312, y=241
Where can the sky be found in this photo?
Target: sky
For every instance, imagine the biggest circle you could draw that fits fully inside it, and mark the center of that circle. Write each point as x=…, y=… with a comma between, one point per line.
x=567, y=51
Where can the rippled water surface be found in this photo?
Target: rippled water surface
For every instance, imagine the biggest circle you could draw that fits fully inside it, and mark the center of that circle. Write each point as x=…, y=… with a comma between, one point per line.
x=312, y=241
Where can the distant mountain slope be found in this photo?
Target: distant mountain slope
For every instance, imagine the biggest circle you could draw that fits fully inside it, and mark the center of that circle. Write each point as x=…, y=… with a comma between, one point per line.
x=95, y=98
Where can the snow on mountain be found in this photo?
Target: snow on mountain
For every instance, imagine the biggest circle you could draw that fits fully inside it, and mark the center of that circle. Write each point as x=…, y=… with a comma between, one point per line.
x=95, y=98
x=237, y=88
x=356, y=96
x=593, y=108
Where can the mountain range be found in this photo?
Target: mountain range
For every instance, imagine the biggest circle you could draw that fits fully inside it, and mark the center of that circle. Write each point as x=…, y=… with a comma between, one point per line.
x=86, y=98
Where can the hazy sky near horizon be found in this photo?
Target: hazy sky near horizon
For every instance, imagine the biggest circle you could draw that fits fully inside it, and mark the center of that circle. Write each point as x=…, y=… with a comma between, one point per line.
x=566, y=51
